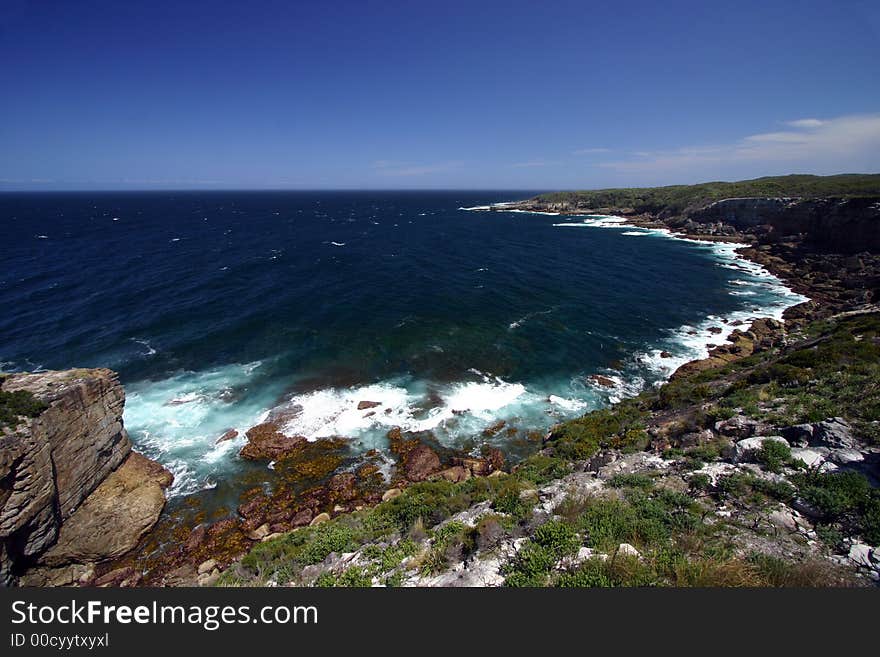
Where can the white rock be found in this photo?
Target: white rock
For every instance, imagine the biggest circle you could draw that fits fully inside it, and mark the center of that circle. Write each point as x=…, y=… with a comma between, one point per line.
x=811, y=457
x=860, y=554
x=746, y=449
x=844, y=456
x=627, y=550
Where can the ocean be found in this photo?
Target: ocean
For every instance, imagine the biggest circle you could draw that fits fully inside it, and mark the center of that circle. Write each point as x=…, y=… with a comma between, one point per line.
x=217, y=307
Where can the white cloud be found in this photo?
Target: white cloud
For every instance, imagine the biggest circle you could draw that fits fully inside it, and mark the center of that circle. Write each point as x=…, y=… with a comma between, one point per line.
x=805, y=123
x=590, y=151
x=844, y=143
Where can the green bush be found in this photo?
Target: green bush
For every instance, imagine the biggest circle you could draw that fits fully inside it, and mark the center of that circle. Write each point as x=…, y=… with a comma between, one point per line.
x=773, y=455
x=631, y=481
x=557, y=537
x=16, y=404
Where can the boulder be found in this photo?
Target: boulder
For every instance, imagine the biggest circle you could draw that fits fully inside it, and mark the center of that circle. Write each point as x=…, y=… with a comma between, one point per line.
x=845, y=456
x=364, y=405
x=342, y=486
x=301, y=518
x=746, y=450
x=420, y=462
x=627, y=550
x=115, y=516
x=266, y=442
x=206, y=566
x=259, y=533
x=494, y=428
x=391, y=493
x=320, y=519
x=739, y=426
x=833, y=433
x=812, y=457
x=860, y=554
x=454, y=474
x=602, y=380
x=232, y=434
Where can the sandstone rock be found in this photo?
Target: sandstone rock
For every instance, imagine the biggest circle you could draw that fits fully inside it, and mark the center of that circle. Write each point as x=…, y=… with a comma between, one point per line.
x=454, y=474
x=196, y=537
x=266, y=442
x=259, y=533
x=391, y=493
x=342, y=486
x=232, y=434
x=184, y=575
x=602, y=380
x=420, y=462
x=494, y=428
x=120, y=577
x=363, y=405
x=114, y=517
x=51, y=463
x=665, y=354
x=302, y=518
x=320, y=519
x=206, y=566
x=208, y=579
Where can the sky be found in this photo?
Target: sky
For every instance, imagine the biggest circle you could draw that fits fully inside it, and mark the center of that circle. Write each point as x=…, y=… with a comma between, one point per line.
x=423, y=95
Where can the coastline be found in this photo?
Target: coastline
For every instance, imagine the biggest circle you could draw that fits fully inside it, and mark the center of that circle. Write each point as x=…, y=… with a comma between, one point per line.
x=650, y=432
x=721, y=245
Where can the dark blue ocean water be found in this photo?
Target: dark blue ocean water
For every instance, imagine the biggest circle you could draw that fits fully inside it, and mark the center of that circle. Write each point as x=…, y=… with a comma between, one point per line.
x=218, y=306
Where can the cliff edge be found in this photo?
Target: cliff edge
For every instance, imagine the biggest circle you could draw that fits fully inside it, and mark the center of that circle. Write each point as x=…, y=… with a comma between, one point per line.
x=72, y=491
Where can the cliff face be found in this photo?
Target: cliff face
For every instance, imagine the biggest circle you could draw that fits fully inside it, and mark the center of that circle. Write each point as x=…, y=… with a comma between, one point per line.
x=827, y=224
x=51, y=466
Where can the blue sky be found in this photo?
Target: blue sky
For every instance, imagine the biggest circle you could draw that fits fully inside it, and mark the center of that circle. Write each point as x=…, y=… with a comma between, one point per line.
x=482, y=95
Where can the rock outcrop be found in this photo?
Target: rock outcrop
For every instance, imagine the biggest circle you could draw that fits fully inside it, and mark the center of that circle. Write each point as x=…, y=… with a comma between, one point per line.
x=61, y=477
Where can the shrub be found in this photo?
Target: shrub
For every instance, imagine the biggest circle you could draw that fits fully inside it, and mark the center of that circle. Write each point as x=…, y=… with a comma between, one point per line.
x=557, y=537
x=631, y=481
x=16, y=404
x=773, y=455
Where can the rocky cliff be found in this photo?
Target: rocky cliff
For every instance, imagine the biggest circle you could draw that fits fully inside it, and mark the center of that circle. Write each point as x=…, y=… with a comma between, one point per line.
x=71, y=489
x=827, y=224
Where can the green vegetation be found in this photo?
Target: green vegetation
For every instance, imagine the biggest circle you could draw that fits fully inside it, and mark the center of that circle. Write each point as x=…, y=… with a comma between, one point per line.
x=829, y=369
x=773, y=455
x=18, y=404
x=679, y=198
x=676, y=548
x=846, y=501
x=621, y=427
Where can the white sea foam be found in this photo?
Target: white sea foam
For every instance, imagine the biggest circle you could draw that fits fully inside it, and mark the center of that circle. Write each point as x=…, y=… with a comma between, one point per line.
x=178, y=420
x=413, y=407
x=150, y=350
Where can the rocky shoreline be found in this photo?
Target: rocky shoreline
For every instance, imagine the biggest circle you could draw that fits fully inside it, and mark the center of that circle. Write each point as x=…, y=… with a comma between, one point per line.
x=447, y=518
